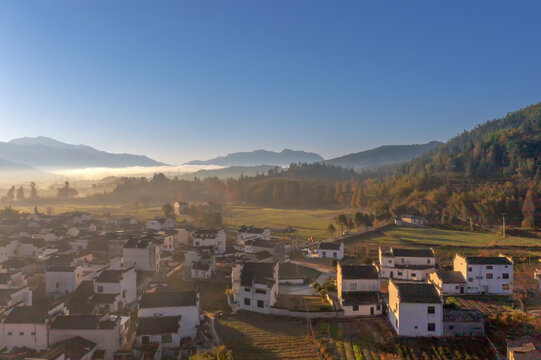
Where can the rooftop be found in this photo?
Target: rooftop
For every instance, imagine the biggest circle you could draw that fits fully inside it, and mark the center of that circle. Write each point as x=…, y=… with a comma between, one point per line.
x=83, y=322
x=461, y=315
x=412, y=252
x=158, y=325
x=450, y=277
x=262, y=273
x=422, y=293
x=27, y=315
x=360, y=297
x=488, y=260
x=359, y=272
x=329, y=246
x=168, y=299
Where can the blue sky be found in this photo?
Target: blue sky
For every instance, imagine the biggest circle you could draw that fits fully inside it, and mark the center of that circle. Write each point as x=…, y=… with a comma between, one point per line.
x=179, y=80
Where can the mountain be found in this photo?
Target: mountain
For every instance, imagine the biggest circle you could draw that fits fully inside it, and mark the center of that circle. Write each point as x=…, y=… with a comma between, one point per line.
x=382, y=155
x=261, y=157
x=47, y=153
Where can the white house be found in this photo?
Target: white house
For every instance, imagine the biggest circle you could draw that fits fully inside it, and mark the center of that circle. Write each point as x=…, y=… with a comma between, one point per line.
x=13, y=279
x=164, y=330
x=106, y=331
x=61, y=280
x=358, y=289
x=210, y=237
x=245, y=233
x=15, y=296
x=333, y=250
x=172, y=303
x=486, y=274
x=448, y=282
x=122, y=282
x=159, y=224
x=414, y=220
x=25, y=326
x=406, y=264
x=201, y=270
x=255, y=285
x=143, y=254
x=415, y=309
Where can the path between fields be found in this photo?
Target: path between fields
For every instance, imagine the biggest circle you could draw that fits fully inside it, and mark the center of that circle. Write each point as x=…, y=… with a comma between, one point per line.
x=319, y=267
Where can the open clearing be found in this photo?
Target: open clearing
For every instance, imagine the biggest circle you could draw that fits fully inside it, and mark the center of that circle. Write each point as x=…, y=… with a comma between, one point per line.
x=254, y=336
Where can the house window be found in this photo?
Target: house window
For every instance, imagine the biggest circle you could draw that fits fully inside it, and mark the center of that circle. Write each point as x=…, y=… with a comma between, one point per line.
x=413, y=275
x=489, y=276
x=470, y=269
x=378, y=307
x=247, y=289
x=260, y=291
x=100, y=289
x=324, y=253
x=353, y=287
x=402, y=260
x=431, y=327
x=334, y=254
x=260, y=303
x=400, y=273
x=428, y=261
x=489, y=267
x=167, y=338
x=33, y=333
x=197, y=243
x=58, y=285
x=470, y=279
x=389, y=261
x=505, y=287
x=145, y=339
x=9, y=333
x=505, y=276
x=247, y=301
x=21, y=333
x=451, y=327
x=355, y=307
x=431, y=310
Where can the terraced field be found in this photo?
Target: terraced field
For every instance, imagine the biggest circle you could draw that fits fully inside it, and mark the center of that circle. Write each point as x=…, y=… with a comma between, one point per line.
x=254, y=336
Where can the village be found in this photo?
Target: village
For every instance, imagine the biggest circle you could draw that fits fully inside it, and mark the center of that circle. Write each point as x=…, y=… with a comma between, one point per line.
x=80, y=286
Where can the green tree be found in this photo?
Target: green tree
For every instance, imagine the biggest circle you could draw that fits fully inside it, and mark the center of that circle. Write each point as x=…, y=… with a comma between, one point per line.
x=168, y=210
x=528, y=210
x=331, y=230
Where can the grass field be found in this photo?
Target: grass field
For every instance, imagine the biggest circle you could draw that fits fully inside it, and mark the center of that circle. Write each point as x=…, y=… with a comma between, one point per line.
x=308, y=222
x=425, y=236
x=254, y=336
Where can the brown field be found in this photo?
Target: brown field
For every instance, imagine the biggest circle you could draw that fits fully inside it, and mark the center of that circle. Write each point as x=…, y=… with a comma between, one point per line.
x=254, y=336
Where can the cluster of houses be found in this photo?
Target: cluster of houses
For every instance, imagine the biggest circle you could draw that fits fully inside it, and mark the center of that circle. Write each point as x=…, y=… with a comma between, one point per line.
x=75, y=287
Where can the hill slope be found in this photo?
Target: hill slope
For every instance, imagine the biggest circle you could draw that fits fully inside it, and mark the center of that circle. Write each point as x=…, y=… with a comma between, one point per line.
x=261, y=157
x=383, y=155
x=46, y=153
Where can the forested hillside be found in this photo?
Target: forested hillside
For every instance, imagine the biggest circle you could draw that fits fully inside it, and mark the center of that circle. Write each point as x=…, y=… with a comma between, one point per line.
x=477, y=175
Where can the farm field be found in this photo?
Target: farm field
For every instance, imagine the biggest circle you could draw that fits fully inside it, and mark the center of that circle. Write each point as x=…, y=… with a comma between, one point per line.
x=309, y=222
x=373, y=339
x=424, y=236
x=255, y=336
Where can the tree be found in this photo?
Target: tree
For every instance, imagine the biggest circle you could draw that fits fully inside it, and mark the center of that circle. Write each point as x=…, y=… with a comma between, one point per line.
x=66, y=192
x=359, y=220
x=168, y=210
x=33, y=191
x=528, y=210
x=342, y=221
x=20, y=193
x=331, y=230
x=10, y=195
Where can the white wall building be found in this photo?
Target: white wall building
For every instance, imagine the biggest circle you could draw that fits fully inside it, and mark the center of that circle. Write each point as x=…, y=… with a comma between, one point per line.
x=122, y=282
x=245, y=233
x=255, y=285
x=358, y=289
x=406, y=264
x=61, y=280
x=331, y=250
x=159, y=224
x=486, y=274
x=415, y=309
x=143, y=254
x=214, y=238
x=448, y=282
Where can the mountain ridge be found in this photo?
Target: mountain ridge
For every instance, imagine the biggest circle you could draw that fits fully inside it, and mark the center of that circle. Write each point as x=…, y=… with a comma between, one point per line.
x=261, y=157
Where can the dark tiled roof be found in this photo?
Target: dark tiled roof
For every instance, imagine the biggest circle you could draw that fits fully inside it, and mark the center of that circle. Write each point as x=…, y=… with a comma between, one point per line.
x=461, y=315
x=417, y=293
x=329, y=246
x=415, y=267
x=158, y=325
x=488, y=260
x=168, y=299
x=104, y=298
x=264, y=244
x=412, y=252
x=360, y=297
x=60, y=268
x=257, y=272
x=27, y=315
x=450, y=277
x=82, y=322
x=200, y=266
x=263, y=255
x=359, y=272
x=76, y=347
x=110, y=276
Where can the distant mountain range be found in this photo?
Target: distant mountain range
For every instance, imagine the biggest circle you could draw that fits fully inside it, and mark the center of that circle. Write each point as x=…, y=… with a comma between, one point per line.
x=379, y=156
x=49, y=154
x=383, y=155
x=261, y=157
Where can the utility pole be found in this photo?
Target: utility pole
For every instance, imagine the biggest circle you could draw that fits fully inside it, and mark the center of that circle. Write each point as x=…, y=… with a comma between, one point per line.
x=503, y=224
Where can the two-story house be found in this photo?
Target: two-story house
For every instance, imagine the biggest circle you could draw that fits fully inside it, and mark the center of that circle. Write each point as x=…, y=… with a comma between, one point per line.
x=61, y=280
x=486, y=274
x=252, y=233
x=333, y=250
x=406, y=264
x=142, y=253
x=122, y=282
x=415, y=309
x=210, y=237
x=255, y=285
x=358, y=287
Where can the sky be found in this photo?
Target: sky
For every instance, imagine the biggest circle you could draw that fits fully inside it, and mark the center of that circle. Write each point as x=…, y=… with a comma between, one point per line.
x=184, y=80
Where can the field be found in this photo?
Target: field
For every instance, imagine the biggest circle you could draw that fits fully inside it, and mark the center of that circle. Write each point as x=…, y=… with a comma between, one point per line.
x=303, y=303
x=254, y=336
x=308, y=222
x=373, y=339
x=425, y=236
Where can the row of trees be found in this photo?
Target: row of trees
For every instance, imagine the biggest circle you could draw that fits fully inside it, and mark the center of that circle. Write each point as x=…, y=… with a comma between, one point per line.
x=31, y=194
x=358, y=220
